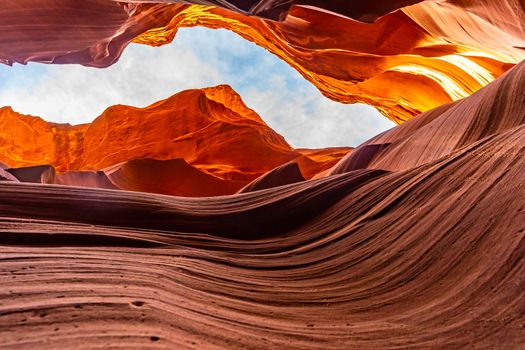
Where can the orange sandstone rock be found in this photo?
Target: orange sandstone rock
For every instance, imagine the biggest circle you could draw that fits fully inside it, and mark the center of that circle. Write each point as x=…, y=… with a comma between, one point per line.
x=201, y=142
x=26, y=140
x=210, y=128
x=406, y=62
x=172, y=177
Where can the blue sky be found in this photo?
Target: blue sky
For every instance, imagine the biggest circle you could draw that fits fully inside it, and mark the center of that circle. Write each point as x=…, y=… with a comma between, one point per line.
x=197, y=58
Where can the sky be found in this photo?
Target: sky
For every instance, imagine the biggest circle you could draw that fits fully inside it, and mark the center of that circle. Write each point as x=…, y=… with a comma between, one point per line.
x=197, y=58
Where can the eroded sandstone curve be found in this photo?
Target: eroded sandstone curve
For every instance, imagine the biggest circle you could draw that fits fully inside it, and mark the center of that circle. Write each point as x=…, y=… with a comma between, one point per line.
x=196, y=143
x=494, y=109
x=316, y=264
x=415, y=241
x=406, y=62
x=210, y=128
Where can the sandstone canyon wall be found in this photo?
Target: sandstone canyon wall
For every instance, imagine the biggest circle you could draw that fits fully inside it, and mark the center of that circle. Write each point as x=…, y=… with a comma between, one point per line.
x=199, y=142
x=427, y=257
x=408, y=61
x=413, y=240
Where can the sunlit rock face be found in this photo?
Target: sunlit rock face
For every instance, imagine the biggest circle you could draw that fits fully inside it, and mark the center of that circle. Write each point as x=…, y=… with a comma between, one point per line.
x=409, y=60
x=27, y=140
x=413, y=240
x=393, y=63
x=494, y=109
x=211, y=128
x=415, y=256
x=200, y=142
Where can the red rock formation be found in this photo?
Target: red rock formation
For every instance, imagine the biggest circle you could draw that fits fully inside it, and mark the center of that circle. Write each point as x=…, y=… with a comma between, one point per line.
x=408, y=61
x=6, y=176
x=439, y=132
x=173, y=177
x=210, y=142
x=360, y=63
x=277, y=9
x=314, y=162
x=210, y=128
x=416, y=240
x=427, y=257
x=170, y=177
x=96, y=179
x=62, y=31
x=27, y=140
x=285, y=174
x=34, y=174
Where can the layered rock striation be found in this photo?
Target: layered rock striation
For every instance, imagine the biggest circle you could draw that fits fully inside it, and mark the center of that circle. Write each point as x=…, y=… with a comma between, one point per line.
x=425, y=253
x=414, y=240
x=402, y=59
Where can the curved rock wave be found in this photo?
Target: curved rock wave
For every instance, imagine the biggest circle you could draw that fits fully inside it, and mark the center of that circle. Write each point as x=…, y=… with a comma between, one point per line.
x=197, y=143
x=414, y=240
x=426, y=253
x=307, y=265
x=494, y=109
x=408, y=61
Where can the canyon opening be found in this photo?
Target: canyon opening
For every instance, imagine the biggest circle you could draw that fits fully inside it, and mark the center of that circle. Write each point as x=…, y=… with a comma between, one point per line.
x=262, y=174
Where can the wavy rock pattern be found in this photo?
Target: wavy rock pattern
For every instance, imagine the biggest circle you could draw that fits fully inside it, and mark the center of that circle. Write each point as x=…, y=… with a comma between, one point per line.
x=173, y=177
x=7, y=176
x=278, y=9
x=282, y=175
x=96, y=179
x=439, y=132
x=201, y=142
x=406, y=62
x=342, y=276
x=429, y=253
x=360, y=62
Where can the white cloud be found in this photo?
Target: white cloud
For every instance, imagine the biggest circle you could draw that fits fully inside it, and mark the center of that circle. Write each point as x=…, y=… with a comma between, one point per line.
x=198, y=58
x=76, y=94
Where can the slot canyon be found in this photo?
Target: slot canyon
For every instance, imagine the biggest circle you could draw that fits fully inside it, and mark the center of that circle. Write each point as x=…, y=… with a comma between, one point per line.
x=192, y=223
